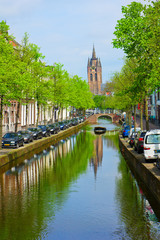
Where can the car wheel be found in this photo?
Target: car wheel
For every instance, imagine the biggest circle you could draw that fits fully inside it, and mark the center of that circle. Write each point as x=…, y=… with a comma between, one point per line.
x=17, y=145
x=138, y=150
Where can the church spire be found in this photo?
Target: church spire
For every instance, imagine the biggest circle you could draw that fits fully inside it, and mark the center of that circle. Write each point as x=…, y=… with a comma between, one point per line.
x=93, y=53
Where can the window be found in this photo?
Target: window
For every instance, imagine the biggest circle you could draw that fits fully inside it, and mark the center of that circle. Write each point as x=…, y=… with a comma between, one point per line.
x=153, y=139
x=95, y=76
x=91, y=77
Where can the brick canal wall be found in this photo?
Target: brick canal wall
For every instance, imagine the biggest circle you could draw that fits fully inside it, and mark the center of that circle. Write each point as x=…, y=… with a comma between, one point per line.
x=148, y=173
x=12, y=157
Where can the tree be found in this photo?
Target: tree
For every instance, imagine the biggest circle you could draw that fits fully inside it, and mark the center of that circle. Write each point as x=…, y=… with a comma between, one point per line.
x=8, y=69
x=133, y=34
x=99, y=101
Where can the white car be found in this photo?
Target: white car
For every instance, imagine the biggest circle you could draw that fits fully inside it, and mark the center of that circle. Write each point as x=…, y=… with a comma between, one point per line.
x=152, y=144
x=132, y=130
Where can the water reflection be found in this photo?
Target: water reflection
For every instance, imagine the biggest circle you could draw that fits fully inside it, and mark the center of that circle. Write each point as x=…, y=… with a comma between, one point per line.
x=38, y=200
x=133, y=208
x=96, y=159
x=33, y=191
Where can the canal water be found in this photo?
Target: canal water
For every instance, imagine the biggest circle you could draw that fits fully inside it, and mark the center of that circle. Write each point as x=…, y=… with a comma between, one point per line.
x=80, y=188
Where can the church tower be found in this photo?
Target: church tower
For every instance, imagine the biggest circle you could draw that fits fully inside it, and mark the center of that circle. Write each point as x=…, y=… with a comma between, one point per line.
x=94, y=71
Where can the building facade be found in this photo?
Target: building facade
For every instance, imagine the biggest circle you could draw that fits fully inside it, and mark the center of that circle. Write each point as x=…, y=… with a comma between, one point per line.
x=94, y=71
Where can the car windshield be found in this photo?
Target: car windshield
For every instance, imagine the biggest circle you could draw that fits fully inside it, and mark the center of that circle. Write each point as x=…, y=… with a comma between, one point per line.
x=10, y=135
x=23, y=132
x=32, y=129
x=43, y=127
x=153, y=139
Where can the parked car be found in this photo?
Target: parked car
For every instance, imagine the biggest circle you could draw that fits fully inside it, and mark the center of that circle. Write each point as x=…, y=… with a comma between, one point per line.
x=125, y=131
x=45, y=130
x=74, y=121
x=152, y=145
x=81, y=119
x=27, y=135
x=132, y=139
x=138, y=141
x=54, y=128
x=62, y=125
x=132, y=130
x=67, y=123
x=12, y=139
x=37, y=132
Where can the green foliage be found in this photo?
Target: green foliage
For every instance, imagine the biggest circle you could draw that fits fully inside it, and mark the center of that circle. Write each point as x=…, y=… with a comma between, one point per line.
x=99, y=101
x=137, y=33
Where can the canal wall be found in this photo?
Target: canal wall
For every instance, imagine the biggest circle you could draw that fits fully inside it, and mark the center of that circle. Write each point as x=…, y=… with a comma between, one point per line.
x=148, y=173
x=11, y=157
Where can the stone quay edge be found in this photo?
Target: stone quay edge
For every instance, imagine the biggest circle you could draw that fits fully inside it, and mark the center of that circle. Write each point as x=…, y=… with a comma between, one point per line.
x=148, y=173
x=11, y=157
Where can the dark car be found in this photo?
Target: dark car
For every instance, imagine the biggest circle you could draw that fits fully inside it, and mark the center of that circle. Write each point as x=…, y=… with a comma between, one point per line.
x=132, y=139
x=54, y=128
x=37, y=132
x=12, y=139
x=74, y=121
x=45, y=130
x=81, y=119
x=67, y=123
x=62, y=125
x=138, y=143
x=27, y=135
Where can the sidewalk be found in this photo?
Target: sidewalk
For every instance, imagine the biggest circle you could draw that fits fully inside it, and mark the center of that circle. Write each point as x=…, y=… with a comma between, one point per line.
x=151, y=125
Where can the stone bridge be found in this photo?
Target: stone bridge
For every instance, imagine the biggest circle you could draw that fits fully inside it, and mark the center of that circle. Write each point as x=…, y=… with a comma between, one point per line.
x=94, y=118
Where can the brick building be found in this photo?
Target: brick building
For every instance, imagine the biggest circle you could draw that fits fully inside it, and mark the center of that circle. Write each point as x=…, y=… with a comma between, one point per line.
x=94, y=71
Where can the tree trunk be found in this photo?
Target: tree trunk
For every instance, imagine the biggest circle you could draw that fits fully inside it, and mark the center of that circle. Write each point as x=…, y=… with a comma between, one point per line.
x=17, y=116
x=62, y=114
x=135, y=118
x=59, y=110
x=53, y=114
x=141, y=115
x=146, y=113
x=66, y=113
x=37, y=114
x=129, y=117
x=44, y=107
x=26, y=115
x=1, y=123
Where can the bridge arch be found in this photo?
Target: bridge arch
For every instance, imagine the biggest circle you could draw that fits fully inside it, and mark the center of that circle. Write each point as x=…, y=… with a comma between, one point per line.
x=94, y=118
x=104, y=115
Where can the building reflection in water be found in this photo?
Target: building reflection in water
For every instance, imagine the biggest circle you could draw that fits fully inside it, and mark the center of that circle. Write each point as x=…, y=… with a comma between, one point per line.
x=110, y=141
x=28, y=173
x=96, y=160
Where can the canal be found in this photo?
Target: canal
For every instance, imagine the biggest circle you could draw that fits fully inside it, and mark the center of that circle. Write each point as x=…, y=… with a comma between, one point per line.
x=80, y=188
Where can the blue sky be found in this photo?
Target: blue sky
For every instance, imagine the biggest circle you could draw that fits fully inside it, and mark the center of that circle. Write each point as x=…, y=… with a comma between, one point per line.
x=66, y=30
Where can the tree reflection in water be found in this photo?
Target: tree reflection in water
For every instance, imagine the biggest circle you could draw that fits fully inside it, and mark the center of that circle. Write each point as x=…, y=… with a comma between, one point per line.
x=34, y=191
